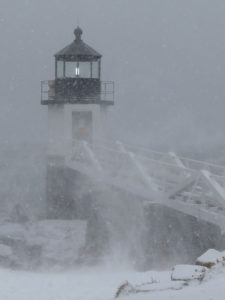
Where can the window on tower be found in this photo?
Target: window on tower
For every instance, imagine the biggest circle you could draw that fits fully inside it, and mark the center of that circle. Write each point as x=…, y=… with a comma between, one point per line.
x=71, y=69
x=95, y=69
x=81, y=69
x=85, y=69
x=60, y=73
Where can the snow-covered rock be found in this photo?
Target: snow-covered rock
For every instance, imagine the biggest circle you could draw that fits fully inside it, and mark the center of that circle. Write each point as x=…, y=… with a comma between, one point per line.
x=99, y=283
x=42, y=243
x=210, y=258
x=188, y=272
x=60, y=240
x=127, y=289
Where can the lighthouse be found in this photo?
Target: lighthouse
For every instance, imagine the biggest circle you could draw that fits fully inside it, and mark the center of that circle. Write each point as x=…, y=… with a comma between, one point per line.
x=77, y=102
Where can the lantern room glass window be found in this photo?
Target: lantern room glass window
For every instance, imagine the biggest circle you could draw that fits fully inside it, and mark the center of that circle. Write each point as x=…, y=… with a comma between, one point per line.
x=71, y=69
x=95, y=69
x=84, y=69
x=81, y=69
x=60, y=67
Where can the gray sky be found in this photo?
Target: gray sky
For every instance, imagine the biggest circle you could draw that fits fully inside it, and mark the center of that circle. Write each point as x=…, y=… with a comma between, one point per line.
x=165, y=56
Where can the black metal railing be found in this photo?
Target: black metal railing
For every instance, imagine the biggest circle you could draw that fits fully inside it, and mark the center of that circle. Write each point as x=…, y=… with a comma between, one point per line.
x=52, y=93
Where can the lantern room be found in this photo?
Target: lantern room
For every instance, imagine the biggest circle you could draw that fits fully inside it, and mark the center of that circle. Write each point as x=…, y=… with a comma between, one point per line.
x=77, y=76
x=78, y=60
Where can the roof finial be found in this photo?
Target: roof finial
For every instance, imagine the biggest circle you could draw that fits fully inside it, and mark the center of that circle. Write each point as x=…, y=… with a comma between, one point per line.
x=78, y=32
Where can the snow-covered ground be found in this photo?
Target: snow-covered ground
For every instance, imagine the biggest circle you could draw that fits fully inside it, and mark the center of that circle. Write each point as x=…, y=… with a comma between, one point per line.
x=102, y=284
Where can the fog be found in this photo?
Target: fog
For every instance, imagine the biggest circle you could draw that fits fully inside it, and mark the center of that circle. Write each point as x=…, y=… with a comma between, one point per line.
x=166, y=58
x=167, y=61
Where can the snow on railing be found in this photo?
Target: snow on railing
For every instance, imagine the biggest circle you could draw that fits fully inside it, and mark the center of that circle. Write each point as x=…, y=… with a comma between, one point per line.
x=194, y=191
x=170, y=176
x=188, y=163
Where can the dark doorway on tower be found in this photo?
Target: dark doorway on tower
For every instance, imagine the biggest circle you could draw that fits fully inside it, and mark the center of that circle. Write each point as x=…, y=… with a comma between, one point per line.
x=82, y=125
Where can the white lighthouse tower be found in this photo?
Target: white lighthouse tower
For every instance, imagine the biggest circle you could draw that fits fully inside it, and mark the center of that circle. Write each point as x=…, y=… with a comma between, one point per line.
x=77, y=103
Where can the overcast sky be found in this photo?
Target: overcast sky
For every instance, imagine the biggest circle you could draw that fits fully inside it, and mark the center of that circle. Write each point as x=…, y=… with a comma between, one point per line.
x=167, y=58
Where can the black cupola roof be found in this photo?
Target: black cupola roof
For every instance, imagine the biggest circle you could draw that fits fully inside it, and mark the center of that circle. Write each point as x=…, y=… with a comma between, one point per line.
x=78, y=48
